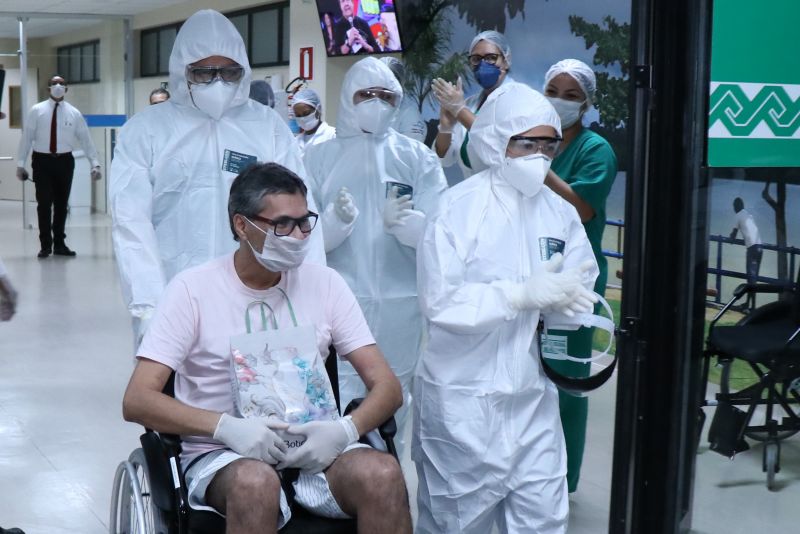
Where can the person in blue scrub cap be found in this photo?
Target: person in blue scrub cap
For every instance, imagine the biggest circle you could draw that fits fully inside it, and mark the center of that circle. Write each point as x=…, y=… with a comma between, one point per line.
x=490, y=60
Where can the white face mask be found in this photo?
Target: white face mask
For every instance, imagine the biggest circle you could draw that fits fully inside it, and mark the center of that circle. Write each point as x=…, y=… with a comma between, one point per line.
x=57, y=90
x=568, y=111
x=374, y=115
x=280, y=254
x=526, y=174
x=213, y=99
x=309, y=122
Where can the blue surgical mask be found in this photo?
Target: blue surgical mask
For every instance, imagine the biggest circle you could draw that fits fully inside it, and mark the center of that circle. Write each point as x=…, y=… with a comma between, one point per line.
x=487, y=74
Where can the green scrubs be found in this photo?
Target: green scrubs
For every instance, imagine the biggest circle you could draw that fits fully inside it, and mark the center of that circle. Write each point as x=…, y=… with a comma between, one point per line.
x=589, y=166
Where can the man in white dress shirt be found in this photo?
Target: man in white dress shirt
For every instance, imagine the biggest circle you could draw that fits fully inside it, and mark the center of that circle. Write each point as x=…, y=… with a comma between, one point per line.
x=54, y=129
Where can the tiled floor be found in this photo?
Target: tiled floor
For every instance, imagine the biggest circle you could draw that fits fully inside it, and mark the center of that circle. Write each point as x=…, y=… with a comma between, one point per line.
x=66, y=357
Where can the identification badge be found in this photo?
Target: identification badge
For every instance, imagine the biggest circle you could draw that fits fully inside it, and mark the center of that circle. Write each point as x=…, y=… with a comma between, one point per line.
x=549, y=246
x=554, y=347
x=402, y=189
x=236, y=162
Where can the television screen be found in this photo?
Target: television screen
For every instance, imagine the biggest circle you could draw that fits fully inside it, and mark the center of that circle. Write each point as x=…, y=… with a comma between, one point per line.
x=359, y=27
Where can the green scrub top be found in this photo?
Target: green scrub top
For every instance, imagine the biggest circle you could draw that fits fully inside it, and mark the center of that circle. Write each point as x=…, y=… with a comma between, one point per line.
x=589, y=166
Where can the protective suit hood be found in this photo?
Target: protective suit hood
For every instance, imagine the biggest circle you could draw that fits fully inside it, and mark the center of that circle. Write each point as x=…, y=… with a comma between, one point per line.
x=204, y=34
x=368, y=72
x=510, y=110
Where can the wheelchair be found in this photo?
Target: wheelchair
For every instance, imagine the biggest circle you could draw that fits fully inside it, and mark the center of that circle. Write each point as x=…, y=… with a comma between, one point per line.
x=149, y=494
x=766, y=344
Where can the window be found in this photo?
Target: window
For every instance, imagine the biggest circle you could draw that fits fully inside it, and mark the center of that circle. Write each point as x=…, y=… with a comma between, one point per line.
x=155, y=47
x=79, y=62
x=265, y=31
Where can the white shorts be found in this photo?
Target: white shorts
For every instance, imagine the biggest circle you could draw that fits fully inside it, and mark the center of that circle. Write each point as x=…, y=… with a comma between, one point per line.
x=311, y=491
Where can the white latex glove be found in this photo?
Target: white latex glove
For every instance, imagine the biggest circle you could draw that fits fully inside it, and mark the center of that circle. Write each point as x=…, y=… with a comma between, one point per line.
x=450, y=97
x=561, y=292
x=96, y=174
x=334, y=229
x=345, y=206
x=8, y=299
x=396, y=209
x=409, y=230
x=325, y=441
x=253, y=437
x=22, y=174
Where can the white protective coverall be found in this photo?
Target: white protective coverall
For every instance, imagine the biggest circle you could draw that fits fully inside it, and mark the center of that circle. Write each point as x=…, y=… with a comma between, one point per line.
x=487, y=438
x=408, y=121
x=174, y=164
x=380, y=270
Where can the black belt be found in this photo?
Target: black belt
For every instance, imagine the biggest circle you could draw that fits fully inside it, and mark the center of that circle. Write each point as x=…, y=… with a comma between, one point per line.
x=49, y=155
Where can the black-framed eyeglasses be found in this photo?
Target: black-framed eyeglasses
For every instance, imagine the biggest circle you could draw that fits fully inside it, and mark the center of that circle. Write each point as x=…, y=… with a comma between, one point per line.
x=206, y=75
x=521, y=144
x=475, y=59
x=284, y=226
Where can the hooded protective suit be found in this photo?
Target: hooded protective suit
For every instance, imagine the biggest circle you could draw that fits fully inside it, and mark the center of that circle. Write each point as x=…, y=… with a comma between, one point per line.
x=174, y=164
x=487, y=437
x=324, y=130
x=379, y=269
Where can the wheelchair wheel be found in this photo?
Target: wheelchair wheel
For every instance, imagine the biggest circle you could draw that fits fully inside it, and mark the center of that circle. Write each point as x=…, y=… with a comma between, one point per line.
x=771, y=465
x=132, y=511
x=734, y=380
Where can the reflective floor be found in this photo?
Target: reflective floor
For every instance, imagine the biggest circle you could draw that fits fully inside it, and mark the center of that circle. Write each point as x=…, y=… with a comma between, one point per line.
x=66, y=357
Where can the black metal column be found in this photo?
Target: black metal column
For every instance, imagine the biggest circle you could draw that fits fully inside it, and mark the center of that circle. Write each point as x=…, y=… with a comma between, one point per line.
x=665, y=270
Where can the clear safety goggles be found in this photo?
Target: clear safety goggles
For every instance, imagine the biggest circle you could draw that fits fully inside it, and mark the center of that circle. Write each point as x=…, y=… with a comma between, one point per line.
x=284, y=226
x=362, y=95
x=522, y=145
x=206, y=75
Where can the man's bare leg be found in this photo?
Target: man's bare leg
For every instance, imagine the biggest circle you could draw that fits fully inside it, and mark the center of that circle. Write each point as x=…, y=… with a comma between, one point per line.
x=248, y=492
x=369, y=486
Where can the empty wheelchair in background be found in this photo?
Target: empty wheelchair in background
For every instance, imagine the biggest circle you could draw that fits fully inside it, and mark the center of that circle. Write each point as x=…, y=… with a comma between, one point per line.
x=763, y=405
x=149, y=495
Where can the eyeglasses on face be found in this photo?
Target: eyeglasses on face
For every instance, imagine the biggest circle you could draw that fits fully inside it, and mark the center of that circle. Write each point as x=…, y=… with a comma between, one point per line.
x=475, y=59
x=206, y=75
x=284, y=226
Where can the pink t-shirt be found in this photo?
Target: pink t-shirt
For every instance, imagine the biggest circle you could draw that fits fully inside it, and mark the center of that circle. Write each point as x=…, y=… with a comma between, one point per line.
x=203, y=307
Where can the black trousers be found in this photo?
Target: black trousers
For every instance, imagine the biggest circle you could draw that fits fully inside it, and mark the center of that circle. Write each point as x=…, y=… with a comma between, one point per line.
x=52, y=175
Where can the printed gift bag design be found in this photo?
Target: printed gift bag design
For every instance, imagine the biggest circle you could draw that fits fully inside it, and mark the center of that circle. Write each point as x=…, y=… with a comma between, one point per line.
x=280, y=372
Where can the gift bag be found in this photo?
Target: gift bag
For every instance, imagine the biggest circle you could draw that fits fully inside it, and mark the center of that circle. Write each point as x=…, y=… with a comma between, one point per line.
x=279, y=371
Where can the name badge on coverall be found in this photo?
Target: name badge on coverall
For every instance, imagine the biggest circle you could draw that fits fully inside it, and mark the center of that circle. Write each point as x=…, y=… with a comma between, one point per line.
x=236, y=162
x=549, y=246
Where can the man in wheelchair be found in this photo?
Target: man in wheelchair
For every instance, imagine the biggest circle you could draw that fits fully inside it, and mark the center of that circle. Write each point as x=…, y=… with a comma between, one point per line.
x=233, y=465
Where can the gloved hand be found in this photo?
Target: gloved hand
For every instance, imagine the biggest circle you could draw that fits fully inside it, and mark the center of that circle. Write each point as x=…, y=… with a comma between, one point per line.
x=325, y=441
x=450, y=97
x=345, y=206
x=446, y=121
x=22, y=174
x=8, y=299
x=253, y=437
x=396, y=209
x=549, y=290
x=96, y=174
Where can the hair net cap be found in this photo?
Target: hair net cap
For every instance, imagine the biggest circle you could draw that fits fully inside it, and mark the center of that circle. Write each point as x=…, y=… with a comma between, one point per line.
x=307, y=96
x=262, y=92
x=580, y=71
x=396, y=66
x=496, y=38
x=511, y=109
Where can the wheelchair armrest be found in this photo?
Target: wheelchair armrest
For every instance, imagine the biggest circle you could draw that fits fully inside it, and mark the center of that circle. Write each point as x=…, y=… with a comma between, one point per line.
x=162, y=452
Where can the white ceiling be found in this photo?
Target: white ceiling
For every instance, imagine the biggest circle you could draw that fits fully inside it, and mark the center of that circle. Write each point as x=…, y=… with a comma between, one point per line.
x=44, y=27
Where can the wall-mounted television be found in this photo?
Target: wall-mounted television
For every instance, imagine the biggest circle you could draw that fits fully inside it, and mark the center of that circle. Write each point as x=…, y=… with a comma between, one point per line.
x=359, y=27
